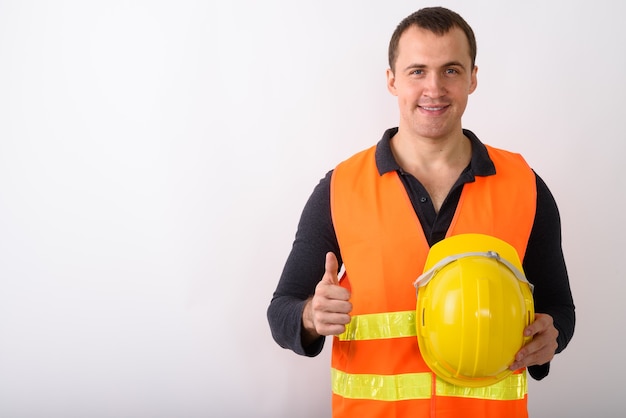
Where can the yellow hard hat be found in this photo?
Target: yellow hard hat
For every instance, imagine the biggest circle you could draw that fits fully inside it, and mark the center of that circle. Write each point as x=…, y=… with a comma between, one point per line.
x=473, y=303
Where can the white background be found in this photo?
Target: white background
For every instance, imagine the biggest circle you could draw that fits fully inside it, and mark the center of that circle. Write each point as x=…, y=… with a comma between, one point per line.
x=155, y=157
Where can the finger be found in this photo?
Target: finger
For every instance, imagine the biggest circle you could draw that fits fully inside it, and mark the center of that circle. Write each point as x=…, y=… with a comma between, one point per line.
x=541, y=356
x=331, y=323
x=331, y=329
x=538, y=351
x=329, y=319
x=339, y=303
x=528, y=350
x=331, y=267
x=334, y=321
x=540, y=324
x=525, y=355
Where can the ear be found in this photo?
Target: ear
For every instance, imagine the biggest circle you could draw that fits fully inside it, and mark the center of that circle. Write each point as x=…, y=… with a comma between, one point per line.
x=474, y=80
x=391, y=82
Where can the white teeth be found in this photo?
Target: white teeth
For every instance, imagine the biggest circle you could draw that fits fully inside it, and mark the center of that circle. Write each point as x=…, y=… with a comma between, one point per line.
x=432, y=108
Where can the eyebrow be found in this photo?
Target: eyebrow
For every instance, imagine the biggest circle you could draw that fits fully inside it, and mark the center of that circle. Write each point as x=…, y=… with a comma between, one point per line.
x=447, y=64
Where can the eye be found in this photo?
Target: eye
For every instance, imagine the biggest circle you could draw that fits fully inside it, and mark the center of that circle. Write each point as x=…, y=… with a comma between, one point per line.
x=417, y=72
x=451, y=71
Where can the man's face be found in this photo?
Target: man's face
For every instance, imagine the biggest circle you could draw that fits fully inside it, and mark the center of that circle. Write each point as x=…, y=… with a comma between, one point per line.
x=432, y=79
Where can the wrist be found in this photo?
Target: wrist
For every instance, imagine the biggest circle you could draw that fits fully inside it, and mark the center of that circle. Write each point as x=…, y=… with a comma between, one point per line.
x=309, y=332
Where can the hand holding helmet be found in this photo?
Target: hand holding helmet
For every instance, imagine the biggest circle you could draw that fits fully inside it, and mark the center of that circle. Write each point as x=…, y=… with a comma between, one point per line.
x=543, y=345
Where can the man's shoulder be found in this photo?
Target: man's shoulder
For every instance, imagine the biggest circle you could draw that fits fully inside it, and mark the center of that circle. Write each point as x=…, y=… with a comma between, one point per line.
x=361, y=155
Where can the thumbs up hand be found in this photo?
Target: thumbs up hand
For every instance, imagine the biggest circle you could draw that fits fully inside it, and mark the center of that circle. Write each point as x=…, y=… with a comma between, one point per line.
x=328, y=311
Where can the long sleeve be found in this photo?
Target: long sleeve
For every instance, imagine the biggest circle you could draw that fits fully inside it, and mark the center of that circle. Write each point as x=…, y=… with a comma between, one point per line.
x=545, y=267
x=303, y=269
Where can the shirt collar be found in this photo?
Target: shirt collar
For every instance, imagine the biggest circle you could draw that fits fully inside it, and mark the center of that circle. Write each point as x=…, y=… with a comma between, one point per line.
x=480, y=164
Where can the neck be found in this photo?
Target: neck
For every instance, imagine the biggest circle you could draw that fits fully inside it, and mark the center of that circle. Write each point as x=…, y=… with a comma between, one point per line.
x=417, y=154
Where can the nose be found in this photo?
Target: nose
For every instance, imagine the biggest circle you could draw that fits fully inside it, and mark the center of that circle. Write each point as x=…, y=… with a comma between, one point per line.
x=434, y=85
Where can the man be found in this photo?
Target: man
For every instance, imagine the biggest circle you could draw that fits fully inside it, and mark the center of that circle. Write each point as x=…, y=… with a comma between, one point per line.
x=378, y=213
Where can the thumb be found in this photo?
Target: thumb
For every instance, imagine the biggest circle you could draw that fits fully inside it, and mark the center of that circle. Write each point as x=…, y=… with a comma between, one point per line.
x=331, y=268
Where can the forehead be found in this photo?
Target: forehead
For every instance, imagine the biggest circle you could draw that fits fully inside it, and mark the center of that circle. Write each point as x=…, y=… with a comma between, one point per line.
x=421, y=46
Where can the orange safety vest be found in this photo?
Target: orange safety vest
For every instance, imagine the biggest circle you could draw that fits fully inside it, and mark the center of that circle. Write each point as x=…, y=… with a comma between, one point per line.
x=377, y=369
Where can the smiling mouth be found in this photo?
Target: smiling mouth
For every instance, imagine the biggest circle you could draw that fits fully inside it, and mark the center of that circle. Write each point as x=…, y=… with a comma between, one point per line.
x=433, y=108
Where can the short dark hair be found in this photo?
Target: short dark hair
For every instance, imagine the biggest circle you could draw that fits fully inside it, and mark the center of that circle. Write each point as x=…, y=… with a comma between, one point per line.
x=438, y=20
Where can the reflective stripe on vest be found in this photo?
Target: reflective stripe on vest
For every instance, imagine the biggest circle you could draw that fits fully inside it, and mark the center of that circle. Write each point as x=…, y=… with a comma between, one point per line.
x=383, y=325
x=419, y=386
